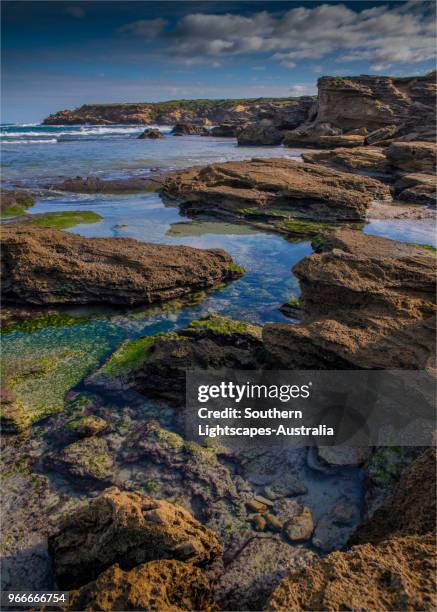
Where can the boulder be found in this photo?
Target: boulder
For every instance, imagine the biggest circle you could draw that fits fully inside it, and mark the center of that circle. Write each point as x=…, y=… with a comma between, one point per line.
x=300, y=527
x=367, y=303
x=335, y=526
x=343, y=456
x=48, y=266
x=85, y=461
x=213, y=342
x=243, y=189
x=152, y=134
x=256, y=134
x=157, y=585
x=189, y=129
x=396, y=575
x=368, y=159
x=127, y=529
x=412, y=156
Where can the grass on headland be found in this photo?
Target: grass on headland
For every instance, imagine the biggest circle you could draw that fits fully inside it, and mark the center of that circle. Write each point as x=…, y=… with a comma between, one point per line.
x=66, y=219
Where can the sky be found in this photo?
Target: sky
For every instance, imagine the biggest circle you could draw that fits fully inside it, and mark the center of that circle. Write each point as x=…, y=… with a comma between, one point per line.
x=58, y=55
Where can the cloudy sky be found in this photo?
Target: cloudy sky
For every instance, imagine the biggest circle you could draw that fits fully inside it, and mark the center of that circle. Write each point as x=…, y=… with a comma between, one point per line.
x=58, y=55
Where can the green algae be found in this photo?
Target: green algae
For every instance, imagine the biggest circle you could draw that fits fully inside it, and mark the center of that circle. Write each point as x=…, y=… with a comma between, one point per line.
x=22, y=203
x=225, y=326
x=425, y=247
x=294, y=301
x=386, y=465
x=29, y=326
x=131, y=355
x=236, y=269
x=86, y=422
x=66, y=219
x=305, y=227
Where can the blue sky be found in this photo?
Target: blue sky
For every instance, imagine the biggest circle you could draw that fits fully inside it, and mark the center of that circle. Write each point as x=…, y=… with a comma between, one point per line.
x=58, y=55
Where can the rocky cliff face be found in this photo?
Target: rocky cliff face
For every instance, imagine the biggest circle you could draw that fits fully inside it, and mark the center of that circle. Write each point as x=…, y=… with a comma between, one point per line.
x=364, y=104
x=289, y=112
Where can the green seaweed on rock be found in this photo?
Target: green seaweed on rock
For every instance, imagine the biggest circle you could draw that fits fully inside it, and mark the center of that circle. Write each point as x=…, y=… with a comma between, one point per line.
x=66, y=219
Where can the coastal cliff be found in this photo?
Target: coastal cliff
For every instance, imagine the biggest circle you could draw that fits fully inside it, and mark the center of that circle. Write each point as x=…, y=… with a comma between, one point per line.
x=174, y=111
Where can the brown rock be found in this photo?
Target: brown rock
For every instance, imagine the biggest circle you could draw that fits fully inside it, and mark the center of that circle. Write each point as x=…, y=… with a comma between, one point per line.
x=381, y=135
x=301, y=137
x=312, y=191
x=211, y=343
x=396, y=575
x=411, y=509
x=374, y=102
x=259, y=566
x=418, y=188
x=300, y=527
x=258, y=521
x=256, y=134
x=48, y=266
x=87, y=459
x=413, y=156
x=128, y=529
x=273, y=522
x=335, y=526
x=151, y=134
x=368, y=302
x=343, y=456
x=94, y=184
x=157, y=585
x=14, y=203
x=189, y=129
x=359, y=158
x=225, y=130
x=256, y=506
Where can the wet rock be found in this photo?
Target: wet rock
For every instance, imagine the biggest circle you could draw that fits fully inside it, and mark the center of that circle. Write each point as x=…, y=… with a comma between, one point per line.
x=285, y=486
x=334, y=528
x=189, y=129
x=413, y=156
x=94, y=184
x=411, y=508
x=397, y=575
x=300, y=527
x=225, y=130
x=363, y=298
x=88, y=426
x=258, y=521
x=343, y=456
x=12, y=417
x=47, y=266
x=273, y=523
x=359, y=158
x=14, y=203
x=87, y=459
x=157, y=585
x=159, y=371
x=258, y=135
x=256, y=506
x=128, y=529
x=151, y=134
x=249, y=578
x=244, y=189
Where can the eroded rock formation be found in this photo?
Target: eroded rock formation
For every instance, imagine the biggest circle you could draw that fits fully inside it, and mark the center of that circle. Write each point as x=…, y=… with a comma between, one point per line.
x=367, y=302
x=157, y=585
x=403, y=107
x=45, y=266
x=127, y=529
x=274, y=186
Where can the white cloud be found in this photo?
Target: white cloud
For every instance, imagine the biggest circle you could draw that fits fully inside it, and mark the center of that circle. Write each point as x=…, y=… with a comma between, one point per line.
x=404, y=32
